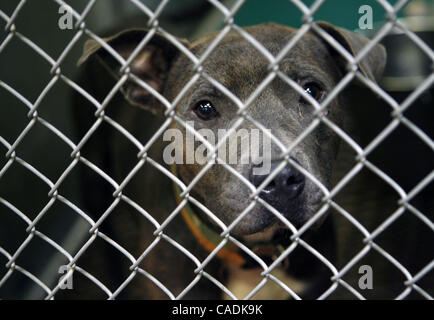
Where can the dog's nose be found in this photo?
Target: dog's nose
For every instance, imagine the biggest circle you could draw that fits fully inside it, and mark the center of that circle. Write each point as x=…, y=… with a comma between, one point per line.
x=287, y=184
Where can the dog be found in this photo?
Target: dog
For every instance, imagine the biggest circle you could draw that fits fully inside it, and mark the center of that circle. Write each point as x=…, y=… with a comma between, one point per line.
x=317, y=67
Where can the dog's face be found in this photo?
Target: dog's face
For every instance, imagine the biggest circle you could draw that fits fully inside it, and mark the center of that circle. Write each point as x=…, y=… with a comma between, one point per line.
x=241, y=68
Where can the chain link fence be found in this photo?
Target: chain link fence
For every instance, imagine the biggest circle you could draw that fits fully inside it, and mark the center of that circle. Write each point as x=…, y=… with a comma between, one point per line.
x=72, y=250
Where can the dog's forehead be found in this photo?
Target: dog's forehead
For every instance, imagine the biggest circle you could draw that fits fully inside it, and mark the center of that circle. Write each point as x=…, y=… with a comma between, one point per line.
x=240, y=66
x=235, y=51
x=272, y=37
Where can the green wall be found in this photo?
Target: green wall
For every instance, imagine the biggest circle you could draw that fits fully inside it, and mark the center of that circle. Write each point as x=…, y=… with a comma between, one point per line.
x=343, y=13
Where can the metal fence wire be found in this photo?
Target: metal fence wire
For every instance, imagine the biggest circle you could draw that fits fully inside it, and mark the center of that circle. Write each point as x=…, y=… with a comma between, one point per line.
x=369, y=243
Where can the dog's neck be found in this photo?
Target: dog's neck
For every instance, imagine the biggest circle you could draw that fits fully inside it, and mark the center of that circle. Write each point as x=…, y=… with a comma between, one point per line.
x=209, y=237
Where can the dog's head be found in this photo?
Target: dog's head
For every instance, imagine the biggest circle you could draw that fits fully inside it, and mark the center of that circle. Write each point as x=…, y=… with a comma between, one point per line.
x=232, y=72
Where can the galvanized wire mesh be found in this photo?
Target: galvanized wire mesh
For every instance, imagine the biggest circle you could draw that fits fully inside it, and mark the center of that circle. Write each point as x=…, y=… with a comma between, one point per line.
x=152, y=16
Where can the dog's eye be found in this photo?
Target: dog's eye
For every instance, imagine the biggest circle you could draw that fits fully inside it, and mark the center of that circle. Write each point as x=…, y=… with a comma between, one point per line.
x=205, y=110
x=314, y=90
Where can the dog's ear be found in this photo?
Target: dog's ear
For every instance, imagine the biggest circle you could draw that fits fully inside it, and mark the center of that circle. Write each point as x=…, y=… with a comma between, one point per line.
x=152, y=64
x=372, y=65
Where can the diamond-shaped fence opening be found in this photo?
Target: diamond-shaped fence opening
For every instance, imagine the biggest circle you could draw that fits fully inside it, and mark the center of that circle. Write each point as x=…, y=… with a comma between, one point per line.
x=90, y=207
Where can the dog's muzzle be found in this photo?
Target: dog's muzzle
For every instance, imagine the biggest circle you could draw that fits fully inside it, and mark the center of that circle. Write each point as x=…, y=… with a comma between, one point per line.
x=284, y=191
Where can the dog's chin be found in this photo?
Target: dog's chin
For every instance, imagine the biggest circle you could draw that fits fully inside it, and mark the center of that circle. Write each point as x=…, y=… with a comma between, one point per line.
x=261, y=223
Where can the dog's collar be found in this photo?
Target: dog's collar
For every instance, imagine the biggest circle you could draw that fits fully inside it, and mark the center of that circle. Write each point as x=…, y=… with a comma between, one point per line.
x=209, y=238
